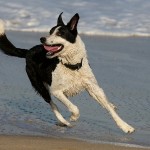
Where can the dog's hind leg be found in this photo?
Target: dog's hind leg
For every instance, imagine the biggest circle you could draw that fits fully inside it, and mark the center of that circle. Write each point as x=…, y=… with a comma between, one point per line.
x=97, y=93
x=72, y=108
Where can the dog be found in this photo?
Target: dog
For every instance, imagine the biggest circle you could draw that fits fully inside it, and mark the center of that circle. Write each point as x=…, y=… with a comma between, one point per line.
x=59, y=67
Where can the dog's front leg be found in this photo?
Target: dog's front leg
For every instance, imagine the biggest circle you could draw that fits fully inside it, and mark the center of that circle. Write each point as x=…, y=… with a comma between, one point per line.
x=72, y=108
x=58, y=114
x=97, y=93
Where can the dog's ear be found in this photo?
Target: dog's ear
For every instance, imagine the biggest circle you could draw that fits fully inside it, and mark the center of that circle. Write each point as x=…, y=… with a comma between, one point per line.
x=60, y=21
x=72, y=24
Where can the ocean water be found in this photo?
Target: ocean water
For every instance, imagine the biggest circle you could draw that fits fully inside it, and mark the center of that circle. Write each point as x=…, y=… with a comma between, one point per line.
x=121, y=66
x=101, y=17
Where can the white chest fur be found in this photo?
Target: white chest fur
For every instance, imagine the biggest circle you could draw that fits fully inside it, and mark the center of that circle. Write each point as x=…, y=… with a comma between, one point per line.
x=70, y=82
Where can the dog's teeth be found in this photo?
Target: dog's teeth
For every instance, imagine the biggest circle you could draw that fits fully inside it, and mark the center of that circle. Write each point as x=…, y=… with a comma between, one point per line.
x=59, y=47
x=49, y=53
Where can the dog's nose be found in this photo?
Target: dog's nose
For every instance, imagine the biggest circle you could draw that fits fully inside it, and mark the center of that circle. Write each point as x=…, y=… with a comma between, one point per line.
x=43, y=40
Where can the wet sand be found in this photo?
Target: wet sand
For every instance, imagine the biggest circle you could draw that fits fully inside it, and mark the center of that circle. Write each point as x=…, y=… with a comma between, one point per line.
x=43, y=143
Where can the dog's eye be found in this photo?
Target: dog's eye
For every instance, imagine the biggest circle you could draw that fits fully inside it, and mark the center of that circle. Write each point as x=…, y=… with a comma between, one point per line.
x=58, y=33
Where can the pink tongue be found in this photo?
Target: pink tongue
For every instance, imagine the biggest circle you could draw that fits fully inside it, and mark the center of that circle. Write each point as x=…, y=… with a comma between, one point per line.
x=51, y=48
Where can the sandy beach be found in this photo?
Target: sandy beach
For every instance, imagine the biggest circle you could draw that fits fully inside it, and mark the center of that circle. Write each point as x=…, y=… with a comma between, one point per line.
x=43, y=143
x=121, y=66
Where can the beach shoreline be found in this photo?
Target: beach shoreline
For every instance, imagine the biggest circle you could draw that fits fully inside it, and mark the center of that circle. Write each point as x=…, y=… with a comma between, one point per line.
x=8, y=142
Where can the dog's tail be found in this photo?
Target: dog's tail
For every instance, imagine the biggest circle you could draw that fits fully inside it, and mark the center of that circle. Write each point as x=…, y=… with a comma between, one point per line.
x=7, y=47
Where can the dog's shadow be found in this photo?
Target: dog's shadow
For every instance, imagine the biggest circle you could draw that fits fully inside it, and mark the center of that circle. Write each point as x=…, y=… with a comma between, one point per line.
x=59, y=124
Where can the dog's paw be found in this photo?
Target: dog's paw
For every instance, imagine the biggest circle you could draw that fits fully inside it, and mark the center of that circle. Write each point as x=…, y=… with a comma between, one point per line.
x=75, y=114
x=60, y=124
x=64, y=123
x=128, y=129
x=74, y=117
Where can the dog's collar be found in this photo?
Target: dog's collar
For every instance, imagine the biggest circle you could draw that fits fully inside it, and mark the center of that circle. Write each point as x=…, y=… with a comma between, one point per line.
x=73, y=66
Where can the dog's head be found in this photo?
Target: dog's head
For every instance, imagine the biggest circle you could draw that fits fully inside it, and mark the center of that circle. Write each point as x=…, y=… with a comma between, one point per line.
x=61, y=37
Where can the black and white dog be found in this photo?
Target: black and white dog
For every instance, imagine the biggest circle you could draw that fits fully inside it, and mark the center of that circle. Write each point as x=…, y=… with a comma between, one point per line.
x=59, y=66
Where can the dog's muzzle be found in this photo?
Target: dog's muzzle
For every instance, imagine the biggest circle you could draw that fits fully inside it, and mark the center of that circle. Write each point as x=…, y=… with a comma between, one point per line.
x=51, y=48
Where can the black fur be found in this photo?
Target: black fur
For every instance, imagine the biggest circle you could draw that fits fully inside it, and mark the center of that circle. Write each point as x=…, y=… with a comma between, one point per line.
x=39, y=69
x=8, y=48
x=69, y=31
x=65, y=33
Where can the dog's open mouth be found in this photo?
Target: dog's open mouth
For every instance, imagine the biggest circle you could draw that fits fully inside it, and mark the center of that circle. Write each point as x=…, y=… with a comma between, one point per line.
x=53, y=49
